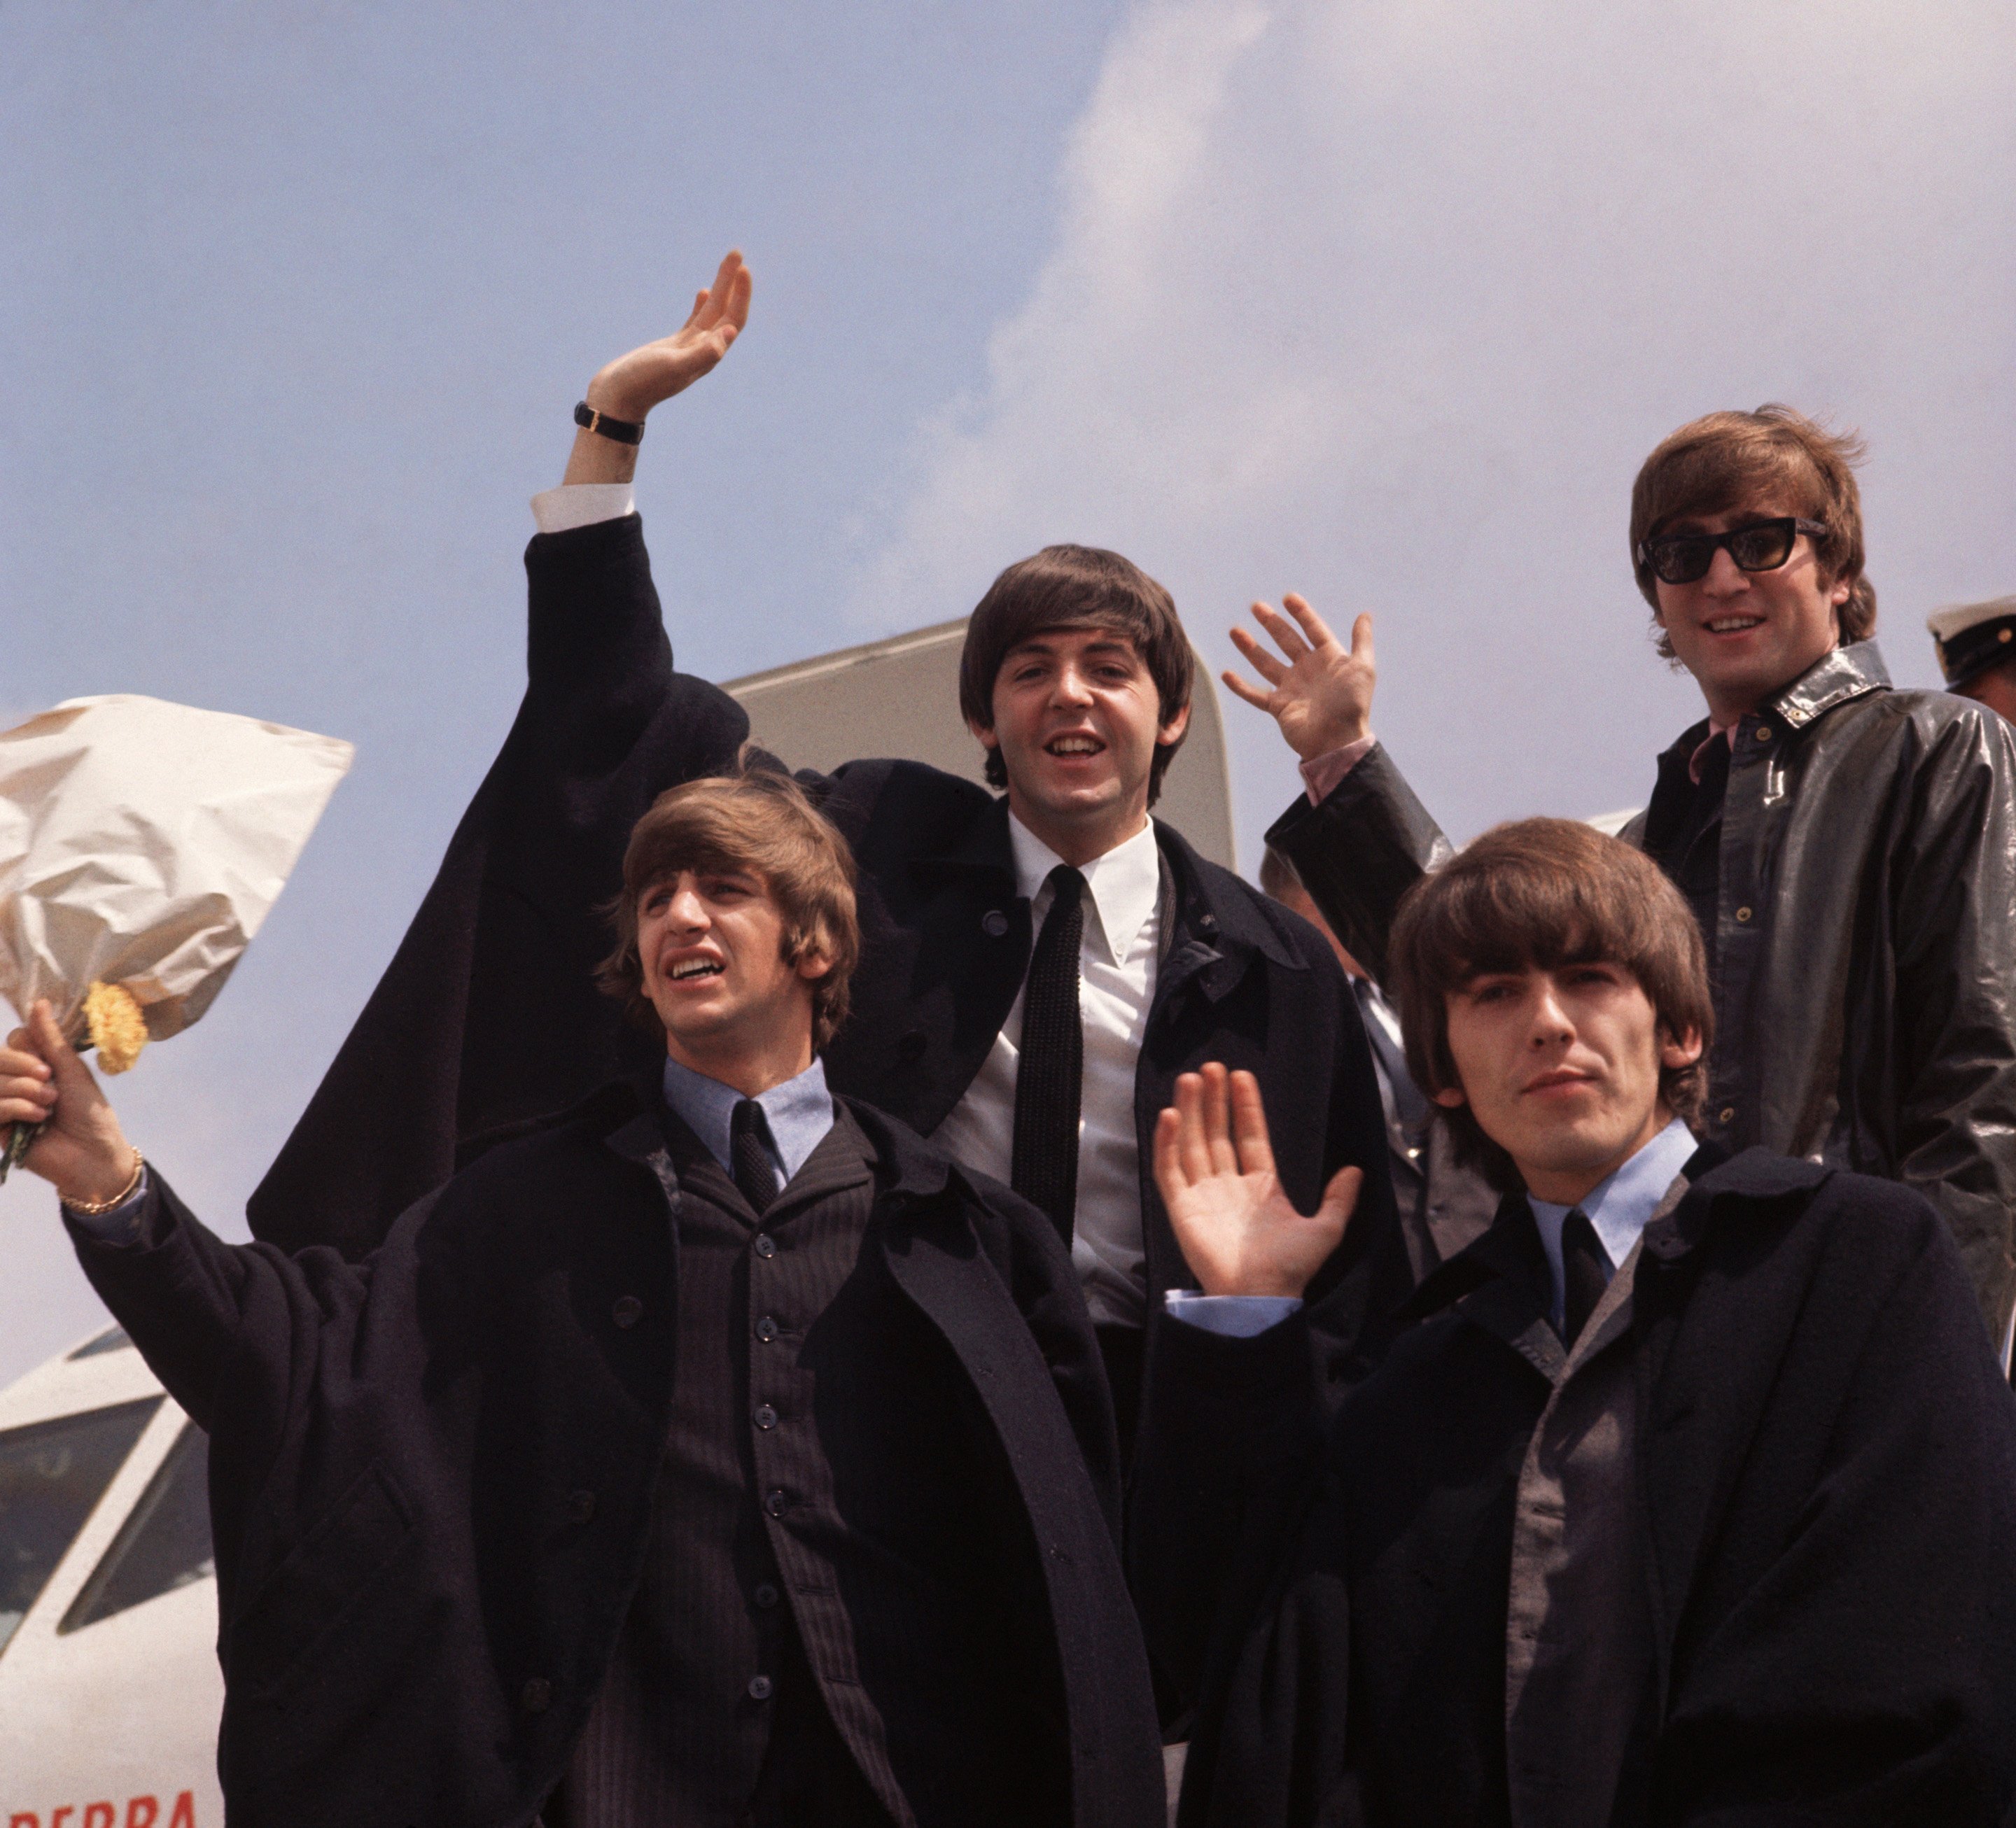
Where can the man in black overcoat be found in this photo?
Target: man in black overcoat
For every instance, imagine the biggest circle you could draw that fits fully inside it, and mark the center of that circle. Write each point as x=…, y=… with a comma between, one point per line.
x=718, y=1453
x=1077, y=681
x=1690, y=1495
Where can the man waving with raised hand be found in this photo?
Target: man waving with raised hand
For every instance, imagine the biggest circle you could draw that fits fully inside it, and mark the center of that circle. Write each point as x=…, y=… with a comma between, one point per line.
x=1849, y=848
x=1038, y=968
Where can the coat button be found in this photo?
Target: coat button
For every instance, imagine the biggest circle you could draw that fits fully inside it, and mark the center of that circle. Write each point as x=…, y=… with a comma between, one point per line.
x=766, y=1329
x=777, y=1503
x=765, y=1595
x=536, y=1695
x=759, y=1688
x=993, y=924
x=766, y=1417
x=626, y=1312
x=581, y=1505
x=765, y=1246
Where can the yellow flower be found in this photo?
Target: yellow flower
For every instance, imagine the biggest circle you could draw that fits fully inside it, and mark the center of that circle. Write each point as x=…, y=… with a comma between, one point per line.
x=118, y=1029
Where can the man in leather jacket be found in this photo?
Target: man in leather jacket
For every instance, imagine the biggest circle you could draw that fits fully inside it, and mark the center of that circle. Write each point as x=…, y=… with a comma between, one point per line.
x=1849, y=848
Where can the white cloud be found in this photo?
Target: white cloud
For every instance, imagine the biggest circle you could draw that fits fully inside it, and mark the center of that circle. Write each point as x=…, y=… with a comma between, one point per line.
x=1387, y=302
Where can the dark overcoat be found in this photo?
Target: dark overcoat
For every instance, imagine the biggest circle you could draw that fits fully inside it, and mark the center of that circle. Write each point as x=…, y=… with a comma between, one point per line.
x=488, y=1015
x=1826, y=1457
x=431, y=1472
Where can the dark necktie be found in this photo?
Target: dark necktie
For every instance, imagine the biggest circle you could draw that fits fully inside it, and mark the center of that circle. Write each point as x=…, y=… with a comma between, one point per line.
x=1044, y=1170
x=1410, y=1108
x=755, y=1174
x=1585, y=1273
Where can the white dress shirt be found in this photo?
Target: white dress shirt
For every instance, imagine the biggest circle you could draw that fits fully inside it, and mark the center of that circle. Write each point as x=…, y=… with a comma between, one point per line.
x=1116, y=958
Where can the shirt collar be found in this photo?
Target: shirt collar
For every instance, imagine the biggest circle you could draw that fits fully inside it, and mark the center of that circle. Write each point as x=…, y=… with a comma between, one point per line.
x=1621, y=1206
x=1124, y=883
x=799, y=1112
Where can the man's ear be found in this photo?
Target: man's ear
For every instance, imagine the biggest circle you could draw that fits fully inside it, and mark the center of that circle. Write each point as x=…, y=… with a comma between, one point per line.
x=1172, y=731
x=984, y=734
x=1451, y=1098
x=812, y=963
x=1682, y=1052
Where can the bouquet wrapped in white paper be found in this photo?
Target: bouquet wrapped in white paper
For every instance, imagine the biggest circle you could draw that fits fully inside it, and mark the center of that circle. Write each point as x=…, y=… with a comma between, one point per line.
x=141, y=844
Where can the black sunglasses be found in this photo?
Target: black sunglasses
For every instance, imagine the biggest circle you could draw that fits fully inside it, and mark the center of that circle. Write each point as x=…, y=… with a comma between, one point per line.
x=1763, y=545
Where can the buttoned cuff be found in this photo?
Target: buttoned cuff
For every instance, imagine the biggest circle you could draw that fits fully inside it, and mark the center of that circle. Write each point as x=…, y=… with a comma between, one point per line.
x=1230, y=1316
x=1321, y=773
x=582, y=503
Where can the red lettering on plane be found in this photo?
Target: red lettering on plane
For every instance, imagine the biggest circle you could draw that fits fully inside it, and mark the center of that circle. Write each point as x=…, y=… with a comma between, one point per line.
x=141, y=1811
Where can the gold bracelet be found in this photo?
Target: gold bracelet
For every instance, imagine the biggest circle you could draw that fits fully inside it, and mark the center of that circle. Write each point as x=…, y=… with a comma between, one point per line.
x=92, y=1208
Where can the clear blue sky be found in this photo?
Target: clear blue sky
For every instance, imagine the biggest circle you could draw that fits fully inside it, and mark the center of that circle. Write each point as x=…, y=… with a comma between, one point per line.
x=1384, y=304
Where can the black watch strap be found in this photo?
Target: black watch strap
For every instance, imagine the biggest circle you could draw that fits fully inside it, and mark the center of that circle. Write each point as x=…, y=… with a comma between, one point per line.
x=622, y=431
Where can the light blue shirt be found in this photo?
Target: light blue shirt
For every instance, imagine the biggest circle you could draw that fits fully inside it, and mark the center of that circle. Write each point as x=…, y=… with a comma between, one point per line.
x=798, y=1113
x=1618, y=1207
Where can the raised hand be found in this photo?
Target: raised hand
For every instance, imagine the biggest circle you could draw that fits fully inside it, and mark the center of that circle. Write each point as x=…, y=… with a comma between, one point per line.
x=632, y=384
x=81, y=1147
x=1318, y=691
x=1239, y=1232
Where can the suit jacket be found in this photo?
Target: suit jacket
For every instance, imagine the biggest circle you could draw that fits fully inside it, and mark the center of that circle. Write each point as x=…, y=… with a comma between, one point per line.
x=431, y=1472
x=1826, y=1456
x=488, y=1015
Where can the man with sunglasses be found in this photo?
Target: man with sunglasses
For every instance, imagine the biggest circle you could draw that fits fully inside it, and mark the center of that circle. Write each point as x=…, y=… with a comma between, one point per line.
x=1849, y=849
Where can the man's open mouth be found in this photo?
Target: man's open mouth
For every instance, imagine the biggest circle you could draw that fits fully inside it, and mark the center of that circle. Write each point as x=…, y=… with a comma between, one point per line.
x=1074, y=746
x=694, y=968
x=1733, y=625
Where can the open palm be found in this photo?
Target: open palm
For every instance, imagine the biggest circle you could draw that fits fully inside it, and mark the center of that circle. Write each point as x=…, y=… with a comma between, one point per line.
x=1239, y=1233
x=632, y=384
x=1317, y=689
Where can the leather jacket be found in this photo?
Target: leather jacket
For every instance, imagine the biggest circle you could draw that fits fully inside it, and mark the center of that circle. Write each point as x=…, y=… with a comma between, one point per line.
x=1865, y=933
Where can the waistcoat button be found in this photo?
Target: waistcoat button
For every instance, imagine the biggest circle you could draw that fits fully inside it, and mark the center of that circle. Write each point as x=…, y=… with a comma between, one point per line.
x=759, y=1688
x=993, y=924
x=1743, y=913
x=765, y=1595
x=765, y=1245
x=777, y=1503
x=766, y=1417
x=626, y=1312
x=766, y=1329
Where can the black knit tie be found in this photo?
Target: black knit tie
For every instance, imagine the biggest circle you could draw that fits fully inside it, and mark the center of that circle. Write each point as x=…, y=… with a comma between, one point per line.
x=1585, y=1273
x=1045, y=1167
x=755, y=1174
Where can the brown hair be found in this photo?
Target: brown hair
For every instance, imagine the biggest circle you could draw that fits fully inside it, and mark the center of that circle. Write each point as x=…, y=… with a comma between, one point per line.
x=761, y=821
x=1075, y=587
x=1538, y=894
x=1718, y=462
